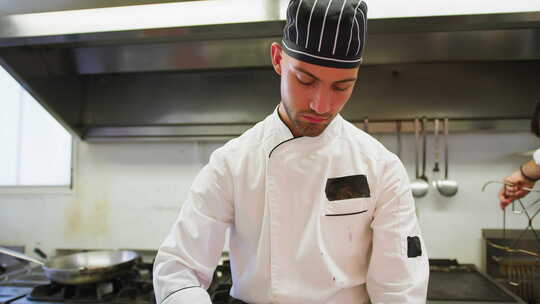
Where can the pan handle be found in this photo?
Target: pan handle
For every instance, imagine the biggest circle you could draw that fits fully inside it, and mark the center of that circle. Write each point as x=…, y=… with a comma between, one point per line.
x=40, y=253
x=83, y=269
x=20, y=256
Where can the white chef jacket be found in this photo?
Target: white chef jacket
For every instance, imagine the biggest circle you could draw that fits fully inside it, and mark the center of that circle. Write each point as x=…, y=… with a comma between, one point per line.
x=536, y=157
x=288, y=242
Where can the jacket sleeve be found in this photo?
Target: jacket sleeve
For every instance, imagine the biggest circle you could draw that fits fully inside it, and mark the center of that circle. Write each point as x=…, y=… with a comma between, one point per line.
x=536, y=157
x=399, y=270
x=186, y=260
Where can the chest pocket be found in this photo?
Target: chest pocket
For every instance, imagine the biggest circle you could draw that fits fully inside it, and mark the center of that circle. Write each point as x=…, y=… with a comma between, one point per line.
x=347, y=195
x=347, y=207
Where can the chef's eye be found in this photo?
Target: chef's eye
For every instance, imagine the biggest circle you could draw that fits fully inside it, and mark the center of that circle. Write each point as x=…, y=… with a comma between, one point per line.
x=341, y=88
x=305, y=80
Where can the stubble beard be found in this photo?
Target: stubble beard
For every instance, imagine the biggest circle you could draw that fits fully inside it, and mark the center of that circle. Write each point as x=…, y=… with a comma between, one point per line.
x=306, y=128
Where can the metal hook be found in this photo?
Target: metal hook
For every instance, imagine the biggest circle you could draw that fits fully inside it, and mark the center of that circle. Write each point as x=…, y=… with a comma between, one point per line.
x=514, y=210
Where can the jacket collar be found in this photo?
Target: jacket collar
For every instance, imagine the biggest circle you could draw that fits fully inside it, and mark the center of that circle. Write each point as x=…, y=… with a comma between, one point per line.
x=276, y=131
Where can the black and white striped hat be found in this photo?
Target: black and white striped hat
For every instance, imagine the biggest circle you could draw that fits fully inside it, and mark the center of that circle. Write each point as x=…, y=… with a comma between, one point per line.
x=326, y=32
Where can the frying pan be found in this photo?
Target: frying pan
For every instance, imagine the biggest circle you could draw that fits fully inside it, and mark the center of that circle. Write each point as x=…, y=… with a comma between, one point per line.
x=84, y=267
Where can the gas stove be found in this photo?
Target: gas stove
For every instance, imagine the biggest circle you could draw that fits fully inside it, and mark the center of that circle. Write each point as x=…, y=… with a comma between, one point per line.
x=30, y=286
x=10, y=265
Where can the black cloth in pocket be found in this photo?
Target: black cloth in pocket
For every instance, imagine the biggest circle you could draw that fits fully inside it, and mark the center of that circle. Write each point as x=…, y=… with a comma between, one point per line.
x=414, y=247
x=347, y=187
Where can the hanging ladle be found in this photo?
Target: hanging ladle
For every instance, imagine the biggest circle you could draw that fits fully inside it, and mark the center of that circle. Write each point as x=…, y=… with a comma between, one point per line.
x=424, y=148
x=446, y=187
x=366, y=125
x=398, y=139
x=419, y=186
x=436, y=171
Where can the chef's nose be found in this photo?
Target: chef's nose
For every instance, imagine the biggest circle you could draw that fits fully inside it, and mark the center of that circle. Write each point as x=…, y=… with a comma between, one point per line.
x=320, y=102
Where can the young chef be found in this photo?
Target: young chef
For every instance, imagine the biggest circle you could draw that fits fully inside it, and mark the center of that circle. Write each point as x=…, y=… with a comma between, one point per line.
x=318, y=211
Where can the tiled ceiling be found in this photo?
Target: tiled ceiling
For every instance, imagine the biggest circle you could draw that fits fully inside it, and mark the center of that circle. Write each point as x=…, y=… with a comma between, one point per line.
x=9, y=7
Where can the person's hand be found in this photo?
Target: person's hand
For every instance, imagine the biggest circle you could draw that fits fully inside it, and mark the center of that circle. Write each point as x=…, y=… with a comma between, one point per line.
x=510, y=193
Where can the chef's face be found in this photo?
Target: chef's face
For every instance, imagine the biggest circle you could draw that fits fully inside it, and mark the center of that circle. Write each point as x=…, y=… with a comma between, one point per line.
x=311, y=95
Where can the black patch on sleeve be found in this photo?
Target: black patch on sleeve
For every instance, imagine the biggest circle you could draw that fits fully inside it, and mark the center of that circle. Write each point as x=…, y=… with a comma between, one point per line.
x=341, y=188
x=414, y=248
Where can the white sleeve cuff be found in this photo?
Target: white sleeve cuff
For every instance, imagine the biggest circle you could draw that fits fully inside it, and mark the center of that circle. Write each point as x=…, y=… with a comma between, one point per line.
x=189, y=295
x=536, y=157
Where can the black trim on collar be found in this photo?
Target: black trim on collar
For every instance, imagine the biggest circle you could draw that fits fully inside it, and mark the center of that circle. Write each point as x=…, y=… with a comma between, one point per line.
x=270, y=154
x=178, y=291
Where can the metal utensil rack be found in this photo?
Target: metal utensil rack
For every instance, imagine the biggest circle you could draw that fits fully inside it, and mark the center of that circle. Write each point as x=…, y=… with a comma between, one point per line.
x=513, y=256
x=226, y=131
x=459, y=124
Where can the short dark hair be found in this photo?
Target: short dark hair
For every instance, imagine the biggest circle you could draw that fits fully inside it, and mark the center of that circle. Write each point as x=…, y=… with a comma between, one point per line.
x=535, y=121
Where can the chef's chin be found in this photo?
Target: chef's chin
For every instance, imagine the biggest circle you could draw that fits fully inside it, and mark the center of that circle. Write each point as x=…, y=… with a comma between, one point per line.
x=310, y=129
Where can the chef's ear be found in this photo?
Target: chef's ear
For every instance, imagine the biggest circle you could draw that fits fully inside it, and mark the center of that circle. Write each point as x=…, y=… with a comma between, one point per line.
x=276, y=53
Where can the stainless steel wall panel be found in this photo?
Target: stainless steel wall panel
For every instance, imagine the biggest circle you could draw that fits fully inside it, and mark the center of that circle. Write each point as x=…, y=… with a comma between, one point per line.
x=181, y=98
x=459, y=90
x=193, y=55
x=402, y=91
x=47, y=81
x=496, y=45
x=159, y=74
x=459, y=46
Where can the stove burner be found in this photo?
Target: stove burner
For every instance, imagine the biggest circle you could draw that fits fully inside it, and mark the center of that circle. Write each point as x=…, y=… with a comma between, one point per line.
x=132, y=287
x=9, y=294
x=89, y=293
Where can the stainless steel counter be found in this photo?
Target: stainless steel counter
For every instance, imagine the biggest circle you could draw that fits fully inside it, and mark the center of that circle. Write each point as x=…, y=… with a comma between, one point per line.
x=465, y=284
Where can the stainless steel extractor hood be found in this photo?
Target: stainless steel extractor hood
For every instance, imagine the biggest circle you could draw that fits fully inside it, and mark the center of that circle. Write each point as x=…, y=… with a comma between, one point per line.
x=202, y=68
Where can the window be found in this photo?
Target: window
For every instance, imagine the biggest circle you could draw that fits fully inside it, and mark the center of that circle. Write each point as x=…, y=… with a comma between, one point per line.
x=36, y=150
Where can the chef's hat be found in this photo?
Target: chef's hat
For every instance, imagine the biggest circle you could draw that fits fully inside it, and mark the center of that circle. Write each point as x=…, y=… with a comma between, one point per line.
x=326, y=32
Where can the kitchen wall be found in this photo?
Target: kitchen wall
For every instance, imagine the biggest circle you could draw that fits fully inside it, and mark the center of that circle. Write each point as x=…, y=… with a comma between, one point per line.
x=128, y=194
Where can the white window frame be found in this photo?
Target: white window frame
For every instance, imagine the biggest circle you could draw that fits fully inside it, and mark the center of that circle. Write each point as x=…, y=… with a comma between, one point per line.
x=69, y=189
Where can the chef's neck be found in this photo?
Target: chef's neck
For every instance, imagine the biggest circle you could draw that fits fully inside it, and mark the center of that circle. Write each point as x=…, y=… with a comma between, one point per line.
x=282, y=113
